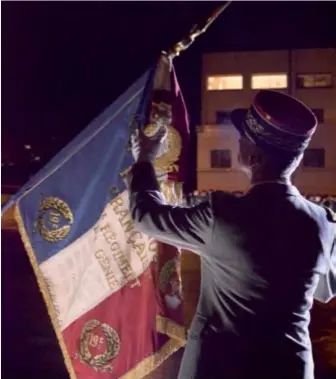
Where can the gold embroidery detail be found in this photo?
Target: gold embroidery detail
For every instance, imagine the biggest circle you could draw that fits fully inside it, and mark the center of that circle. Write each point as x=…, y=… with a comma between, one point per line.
x=166, y=274
x=58, y=209
x=173, y=330
x=149, y=364
x=284, y=139
x=161, y=114
x=99, y=362
x=170, y=282
x=167, y=161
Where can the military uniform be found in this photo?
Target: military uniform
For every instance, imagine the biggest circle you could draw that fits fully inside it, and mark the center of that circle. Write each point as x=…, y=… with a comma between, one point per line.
x=263, y=257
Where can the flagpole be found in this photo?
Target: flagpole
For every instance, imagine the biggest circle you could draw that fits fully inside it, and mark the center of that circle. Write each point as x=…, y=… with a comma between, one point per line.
x=195, y=32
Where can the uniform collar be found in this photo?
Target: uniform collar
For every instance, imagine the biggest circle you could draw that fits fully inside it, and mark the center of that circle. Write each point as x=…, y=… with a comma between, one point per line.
x=276, y=188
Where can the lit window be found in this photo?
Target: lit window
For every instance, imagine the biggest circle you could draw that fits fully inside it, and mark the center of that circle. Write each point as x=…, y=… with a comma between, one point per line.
x=314, y=158
x=220, y=158
x=270, y=81
x=222, y=83
x=314, y=81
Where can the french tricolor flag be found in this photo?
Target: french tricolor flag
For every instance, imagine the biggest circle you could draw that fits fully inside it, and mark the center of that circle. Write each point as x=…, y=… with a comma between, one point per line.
x=113, y=294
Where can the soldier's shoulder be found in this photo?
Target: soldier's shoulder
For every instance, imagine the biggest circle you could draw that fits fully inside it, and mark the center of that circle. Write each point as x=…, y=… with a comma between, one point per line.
x=227, y=201
x=327, y=212
x=224, y=195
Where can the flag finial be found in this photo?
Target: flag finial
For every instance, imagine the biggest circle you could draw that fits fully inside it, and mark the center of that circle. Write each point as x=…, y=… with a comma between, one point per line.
x=195, y=31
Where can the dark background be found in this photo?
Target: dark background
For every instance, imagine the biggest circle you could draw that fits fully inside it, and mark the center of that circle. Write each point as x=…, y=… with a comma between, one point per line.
x=64, y=62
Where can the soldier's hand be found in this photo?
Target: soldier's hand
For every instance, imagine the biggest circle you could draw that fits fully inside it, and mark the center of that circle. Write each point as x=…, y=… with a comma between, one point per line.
x=147, y=148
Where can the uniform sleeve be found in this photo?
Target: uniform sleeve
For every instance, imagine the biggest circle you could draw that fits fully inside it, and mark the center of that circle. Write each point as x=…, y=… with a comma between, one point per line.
x=326, y=287
x=185, y=227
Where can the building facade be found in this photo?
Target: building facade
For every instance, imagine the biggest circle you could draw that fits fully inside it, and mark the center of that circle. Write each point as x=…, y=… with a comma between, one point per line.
x=231, y=80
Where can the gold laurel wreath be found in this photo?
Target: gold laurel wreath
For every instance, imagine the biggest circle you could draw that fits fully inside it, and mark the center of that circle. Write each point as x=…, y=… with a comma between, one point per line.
x=167, y=161
x=99, y=362
x=63, y=208
x=166, y=273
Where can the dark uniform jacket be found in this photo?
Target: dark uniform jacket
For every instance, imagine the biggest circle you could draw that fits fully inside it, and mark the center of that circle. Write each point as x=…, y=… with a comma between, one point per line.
x=262, y=257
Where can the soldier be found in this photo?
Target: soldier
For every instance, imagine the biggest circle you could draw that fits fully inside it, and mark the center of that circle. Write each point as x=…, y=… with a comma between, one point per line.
x=264, y=255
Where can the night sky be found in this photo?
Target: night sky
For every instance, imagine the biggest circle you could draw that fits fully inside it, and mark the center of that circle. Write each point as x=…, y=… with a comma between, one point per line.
x=64, y=62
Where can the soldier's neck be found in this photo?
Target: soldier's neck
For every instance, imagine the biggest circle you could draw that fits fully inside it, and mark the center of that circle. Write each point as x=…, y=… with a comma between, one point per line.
x=264, y=177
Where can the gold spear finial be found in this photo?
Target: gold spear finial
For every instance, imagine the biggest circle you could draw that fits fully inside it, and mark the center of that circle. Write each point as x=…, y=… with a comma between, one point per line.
x=196, y=31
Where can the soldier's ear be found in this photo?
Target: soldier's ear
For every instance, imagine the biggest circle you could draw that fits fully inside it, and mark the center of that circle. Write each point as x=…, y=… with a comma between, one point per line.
x=257, y=158
x=245, y=151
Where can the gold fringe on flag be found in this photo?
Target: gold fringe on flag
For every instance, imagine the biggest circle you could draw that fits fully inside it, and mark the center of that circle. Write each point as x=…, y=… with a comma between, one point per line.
x=148, y=365
x=44, y=290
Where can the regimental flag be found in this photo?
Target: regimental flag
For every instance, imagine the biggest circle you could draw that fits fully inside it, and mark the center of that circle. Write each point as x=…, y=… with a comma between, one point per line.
x=116, y=308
